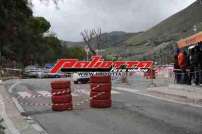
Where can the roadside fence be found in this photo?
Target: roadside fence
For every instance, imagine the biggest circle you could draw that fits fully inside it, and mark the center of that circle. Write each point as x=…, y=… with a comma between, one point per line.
x=161, y=76
x=168, y=76
x=10, y=73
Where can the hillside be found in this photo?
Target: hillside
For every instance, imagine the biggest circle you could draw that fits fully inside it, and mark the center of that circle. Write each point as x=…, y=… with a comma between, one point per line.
x=157, y=43
x=72, y=44
x=177, y=25
x=160, y=40
x=112, y=39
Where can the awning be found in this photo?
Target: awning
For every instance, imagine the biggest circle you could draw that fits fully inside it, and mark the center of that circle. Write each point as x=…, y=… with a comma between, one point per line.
x=196, y=38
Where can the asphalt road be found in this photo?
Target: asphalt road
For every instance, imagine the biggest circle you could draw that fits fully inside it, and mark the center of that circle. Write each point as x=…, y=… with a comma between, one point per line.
x=130, y=113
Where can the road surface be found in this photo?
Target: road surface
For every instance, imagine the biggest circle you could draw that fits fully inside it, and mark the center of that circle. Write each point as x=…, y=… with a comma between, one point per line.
x=131, y=113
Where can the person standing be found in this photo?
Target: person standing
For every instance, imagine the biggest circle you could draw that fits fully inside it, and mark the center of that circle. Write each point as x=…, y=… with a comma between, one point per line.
x=187, y=68
x=200, y=61
x=191, y=66
x=196, y=65
x=177, y=67
x=182, y=65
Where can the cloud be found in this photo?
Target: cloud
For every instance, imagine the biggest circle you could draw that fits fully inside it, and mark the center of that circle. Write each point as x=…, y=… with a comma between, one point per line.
x=111, y=15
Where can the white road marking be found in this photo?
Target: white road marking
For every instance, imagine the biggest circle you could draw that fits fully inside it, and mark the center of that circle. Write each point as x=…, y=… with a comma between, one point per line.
x=19, y=107
x=24, y=94
x=126, y=89
x=10, y=90
x=88, y=92
x=75, y=94
x=44, y=93
x=169, y=100
x=115, y=92
x=84, y=92
x=156, y=97
x=8, y=122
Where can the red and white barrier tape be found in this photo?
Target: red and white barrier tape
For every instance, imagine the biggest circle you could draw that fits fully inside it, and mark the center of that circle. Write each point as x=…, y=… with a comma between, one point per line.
x=41, y=104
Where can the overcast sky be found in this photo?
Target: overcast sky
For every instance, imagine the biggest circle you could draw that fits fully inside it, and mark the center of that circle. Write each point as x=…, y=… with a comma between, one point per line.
x=111, y=15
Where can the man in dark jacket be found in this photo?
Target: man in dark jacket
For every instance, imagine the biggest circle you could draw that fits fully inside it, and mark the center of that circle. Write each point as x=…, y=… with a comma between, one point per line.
x=187, y=69
x=200, y=61
x=194, y=64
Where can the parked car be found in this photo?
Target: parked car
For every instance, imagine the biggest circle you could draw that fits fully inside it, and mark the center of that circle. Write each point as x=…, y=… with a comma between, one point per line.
x=48, y=65
x=36, y=72
x=56, y=75
x=33, y=72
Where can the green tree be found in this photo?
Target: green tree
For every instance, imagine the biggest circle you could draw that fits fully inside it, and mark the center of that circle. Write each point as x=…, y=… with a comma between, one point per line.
x=54, y=48
x=13, y=17
x=39, y=25
x=22, y=35
x=76, y=52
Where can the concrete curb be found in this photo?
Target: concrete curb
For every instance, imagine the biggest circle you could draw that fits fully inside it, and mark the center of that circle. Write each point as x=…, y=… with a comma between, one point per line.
x=184, y=87
x=34, y=126
x=11, y=127
x=179, y=92
x=163, y=93
x=29, y=119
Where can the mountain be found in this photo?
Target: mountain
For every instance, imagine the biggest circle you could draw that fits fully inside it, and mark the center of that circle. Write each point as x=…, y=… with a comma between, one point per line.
x=160, y=40
x=112, y=39
x=178, y=25
x=157, y=43
x=72, y=44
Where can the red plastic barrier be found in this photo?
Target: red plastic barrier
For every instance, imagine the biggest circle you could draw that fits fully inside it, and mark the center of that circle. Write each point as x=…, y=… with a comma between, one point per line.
x=100, y=92
x=60, y=84
x=100, y=79
x=61, y=95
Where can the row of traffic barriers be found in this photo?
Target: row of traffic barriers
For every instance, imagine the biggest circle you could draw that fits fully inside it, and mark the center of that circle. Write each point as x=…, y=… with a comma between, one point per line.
x=100, y=94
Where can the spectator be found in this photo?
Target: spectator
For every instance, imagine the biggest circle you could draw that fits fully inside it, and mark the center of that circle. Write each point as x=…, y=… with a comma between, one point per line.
x=187, y=64
x=191, y=67
x=182, y=65
x=177, y=67
x=196, y=64
x=200, y=61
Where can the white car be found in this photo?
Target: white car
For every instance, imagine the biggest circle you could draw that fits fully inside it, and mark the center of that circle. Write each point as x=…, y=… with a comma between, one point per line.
x=78, y=78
